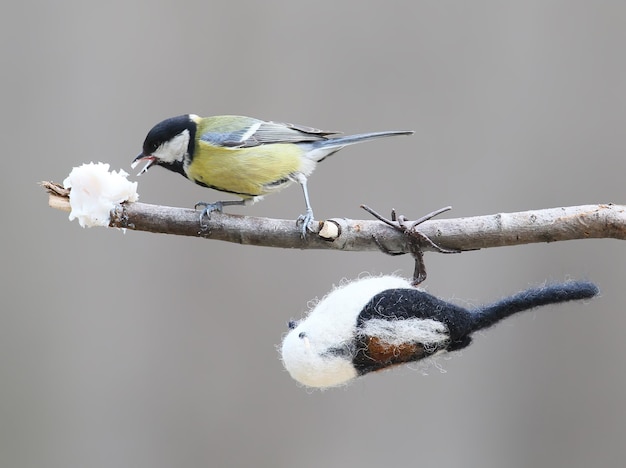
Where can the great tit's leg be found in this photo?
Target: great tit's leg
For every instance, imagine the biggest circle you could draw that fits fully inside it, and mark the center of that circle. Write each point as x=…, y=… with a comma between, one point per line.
x=304, y=219
x=215, y=206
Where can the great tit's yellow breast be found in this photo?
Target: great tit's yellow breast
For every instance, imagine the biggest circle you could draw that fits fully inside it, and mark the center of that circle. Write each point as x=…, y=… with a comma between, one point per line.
x=247, y=172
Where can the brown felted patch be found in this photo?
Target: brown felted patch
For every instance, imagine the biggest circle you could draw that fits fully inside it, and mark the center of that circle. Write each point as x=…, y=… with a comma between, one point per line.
x=388, y=354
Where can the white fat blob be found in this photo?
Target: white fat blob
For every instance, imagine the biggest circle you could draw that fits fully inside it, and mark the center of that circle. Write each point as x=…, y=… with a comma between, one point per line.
x=330, y=325
x=95, y=191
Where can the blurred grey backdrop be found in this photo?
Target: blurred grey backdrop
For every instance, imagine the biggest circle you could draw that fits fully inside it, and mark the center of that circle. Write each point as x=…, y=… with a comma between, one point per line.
x=143, y=350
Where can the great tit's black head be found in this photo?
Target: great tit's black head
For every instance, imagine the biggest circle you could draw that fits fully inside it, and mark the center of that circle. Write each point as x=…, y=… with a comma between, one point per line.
x=168, y=143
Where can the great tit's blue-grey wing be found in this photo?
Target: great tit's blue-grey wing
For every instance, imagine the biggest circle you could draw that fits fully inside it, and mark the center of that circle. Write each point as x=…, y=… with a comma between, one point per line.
x=246, y=132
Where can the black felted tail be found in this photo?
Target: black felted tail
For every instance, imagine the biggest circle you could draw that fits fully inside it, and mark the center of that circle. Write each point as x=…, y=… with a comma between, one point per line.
x=551, y=294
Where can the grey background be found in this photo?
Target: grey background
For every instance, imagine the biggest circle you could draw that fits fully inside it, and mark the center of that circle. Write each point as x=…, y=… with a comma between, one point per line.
x=143, y=350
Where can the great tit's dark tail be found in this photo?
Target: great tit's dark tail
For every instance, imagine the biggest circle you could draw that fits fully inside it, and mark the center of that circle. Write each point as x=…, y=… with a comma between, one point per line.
x=488, y=315
x=352, y=139
x=321, y=149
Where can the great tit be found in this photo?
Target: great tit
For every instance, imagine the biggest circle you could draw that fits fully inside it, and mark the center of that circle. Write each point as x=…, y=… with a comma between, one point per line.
x=244, y=156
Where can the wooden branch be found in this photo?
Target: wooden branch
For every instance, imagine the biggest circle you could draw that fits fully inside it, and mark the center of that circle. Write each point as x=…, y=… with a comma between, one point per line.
x=477, y=232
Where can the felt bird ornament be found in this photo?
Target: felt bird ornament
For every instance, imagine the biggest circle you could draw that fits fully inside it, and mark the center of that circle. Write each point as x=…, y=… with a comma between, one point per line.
x=375, y=323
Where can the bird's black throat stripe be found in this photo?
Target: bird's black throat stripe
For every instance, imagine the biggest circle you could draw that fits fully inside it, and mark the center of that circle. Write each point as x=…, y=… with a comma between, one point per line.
x=278, y=183
x=270, y=186
x=243, y=195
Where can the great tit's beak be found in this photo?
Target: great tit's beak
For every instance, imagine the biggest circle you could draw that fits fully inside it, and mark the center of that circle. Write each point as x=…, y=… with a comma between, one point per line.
x=150, y=160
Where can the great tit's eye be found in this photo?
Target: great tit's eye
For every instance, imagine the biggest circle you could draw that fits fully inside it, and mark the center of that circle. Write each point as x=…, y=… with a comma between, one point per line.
x=149, y=148
x=302, y=335
x=292, y=324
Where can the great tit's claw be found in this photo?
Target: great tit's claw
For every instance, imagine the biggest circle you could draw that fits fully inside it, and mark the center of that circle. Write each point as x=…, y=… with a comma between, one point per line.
x=208, y=209
x=303, y=221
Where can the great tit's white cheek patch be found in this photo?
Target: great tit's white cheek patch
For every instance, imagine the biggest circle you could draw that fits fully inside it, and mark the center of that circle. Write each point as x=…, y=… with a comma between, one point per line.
x=174, y=149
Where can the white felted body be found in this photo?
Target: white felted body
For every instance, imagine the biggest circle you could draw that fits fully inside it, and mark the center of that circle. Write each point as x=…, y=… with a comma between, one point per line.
x=331, y=325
